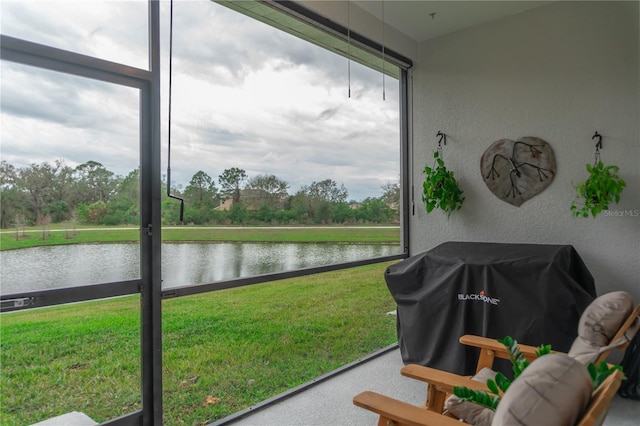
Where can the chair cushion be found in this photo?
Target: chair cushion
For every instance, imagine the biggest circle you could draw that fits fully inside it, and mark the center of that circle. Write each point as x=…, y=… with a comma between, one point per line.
x=468, y=411
x=553, y=390
x=604, y=316
x=599, y=323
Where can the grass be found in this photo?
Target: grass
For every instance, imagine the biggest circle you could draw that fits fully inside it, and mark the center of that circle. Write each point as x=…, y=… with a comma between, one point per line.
x=333, y=234
x=222, y=351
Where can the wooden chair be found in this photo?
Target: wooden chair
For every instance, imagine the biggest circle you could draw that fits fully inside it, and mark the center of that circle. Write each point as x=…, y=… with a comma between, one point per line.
x=441, y=383
x=398, y=413
x=490, y=349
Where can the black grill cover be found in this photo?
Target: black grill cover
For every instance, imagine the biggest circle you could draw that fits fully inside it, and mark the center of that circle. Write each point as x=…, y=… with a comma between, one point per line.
x=533, y=293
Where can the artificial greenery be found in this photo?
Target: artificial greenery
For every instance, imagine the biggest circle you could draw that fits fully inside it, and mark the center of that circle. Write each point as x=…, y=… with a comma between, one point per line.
x=601, y=372
x=440, y=188
x=602, y=187
x=479, y=397
x=499, y=385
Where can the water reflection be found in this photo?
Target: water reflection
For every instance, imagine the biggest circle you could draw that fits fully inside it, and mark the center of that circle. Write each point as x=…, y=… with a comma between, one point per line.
x=182, y=264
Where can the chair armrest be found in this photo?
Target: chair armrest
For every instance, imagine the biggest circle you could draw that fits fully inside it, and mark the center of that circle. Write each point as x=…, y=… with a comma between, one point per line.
x=441, y=384
x=400, y=412
x=491, y=349
x=443, y=380
x=494, y=345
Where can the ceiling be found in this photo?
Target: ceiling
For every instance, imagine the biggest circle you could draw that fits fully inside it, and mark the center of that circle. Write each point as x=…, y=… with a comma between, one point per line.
x=425, y=19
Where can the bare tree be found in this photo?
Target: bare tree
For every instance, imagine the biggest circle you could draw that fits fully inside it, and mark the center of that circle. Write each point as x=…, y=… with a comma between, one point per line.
x=45, y=221
x=20, y=221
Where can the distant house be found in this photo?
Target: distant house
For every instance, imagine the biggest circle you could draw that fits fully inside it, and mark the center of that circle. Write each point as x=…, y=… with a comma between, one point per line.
x=225, y=205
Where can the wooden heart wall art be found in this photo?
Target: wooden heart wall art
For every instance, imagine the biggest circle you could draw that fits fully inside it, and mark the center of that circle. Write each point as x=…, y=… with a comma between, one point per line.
x=516, y=171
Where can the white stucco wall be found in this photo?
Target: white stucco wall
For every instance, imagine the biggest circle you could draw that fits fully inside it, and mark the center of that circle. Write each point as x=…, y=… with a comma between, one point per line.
x=559, y=72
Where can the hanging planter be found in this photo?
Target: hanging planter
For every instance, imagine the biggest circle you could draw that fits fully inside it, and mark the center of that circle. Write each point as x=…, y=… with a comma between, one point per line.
x=601, y=188
x=440, y=188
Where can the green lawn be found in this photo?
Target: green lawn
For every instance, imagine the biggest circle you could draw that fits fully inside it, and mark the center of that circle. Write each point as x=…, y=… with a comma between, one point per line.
x=223, y=351
x=34, y=237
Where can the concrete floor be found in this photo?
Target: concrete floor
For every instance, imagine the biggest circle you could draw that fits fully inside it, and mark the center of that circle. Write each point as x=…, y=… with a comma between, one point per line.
x=330, y=402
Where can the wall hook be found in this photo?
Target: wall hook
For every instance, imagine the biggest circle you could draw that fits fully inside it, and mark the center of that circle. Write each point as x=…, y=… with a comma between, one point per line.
x=443, y=138
x=598, y=147
x=599, y=143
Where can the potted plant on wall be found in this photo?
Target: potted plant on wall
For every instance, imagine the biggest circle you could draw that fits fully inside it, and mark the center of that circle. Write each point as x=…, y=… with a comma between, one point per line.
x=595, y=193
x=440, y=188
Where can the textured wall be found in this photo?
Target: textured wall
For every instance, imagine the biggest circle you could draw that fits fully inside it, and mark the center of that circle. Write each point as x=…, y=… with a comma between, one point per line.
x=559, y=72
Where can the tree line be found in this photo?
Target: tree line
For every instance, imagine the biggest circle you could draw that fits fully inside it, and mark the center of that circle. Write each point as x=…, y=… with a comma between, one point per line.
x=46, y=193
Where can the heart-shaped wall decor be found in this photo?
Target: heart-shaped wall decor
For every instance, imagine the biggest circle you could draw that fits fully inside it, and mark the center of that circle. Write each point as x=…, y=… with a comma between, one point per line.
x=516, y=171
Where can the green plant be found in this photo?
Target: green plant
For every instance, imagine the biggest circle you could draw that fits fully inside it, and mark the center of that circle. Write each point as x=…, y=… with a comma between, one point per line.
x=479, y=397
x=518, y=361
x=440, y=188
x=602, y=187
x=601, y=372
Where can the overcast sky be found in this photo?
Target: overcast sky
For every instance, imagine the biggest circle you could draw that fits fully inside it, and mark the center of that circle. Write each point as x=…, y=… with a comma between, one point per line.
x=244, y=95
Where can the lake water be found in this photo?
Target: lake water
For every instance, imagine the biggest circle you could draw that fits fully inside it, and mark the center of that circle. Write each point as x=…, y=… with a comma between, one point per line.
x=182, y=264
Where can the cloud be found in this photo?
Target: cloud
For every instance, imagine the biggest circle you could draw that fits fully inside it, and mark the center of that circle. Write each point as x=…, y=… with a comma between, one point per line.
x=244, y=95
x=111, y=30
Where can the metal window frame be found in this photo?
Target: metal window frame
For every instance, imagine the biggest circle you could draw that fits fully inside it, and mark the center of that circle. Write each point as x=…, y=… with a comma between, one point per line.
x=149, y=285
x=302, y=13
